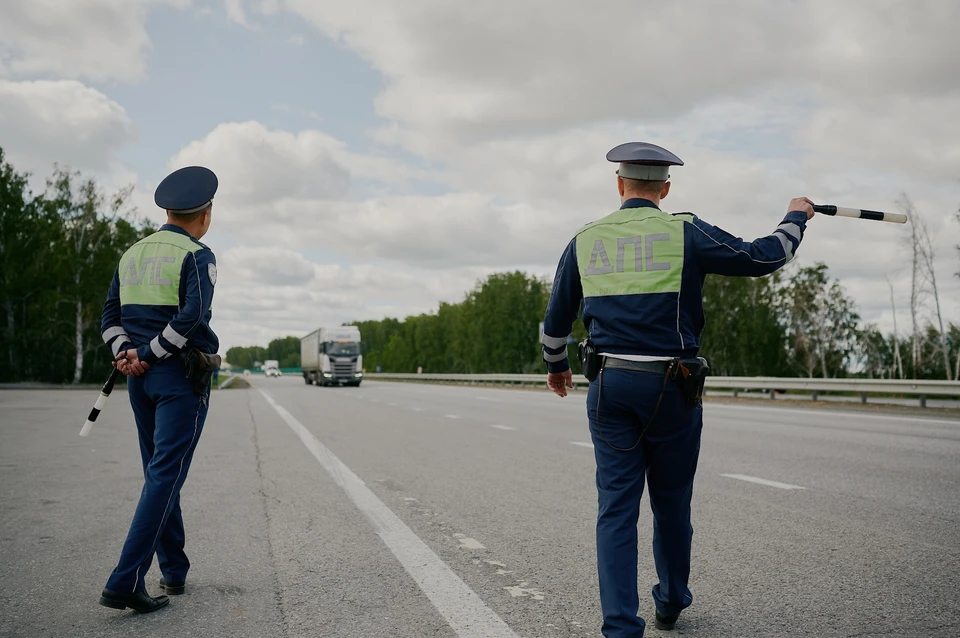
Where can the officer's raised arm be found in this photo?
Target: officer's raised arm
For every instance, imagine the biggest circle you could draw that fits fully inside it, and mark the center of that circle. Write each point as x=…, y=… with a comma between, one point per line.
x=718, y=252
x=562, y=311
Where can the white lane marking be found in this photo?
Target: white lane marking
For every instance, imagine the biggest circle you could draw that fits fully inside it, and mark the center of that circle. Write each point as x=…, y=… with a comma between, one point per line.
x=502, y=427
x=859, y=415
x=468, y=543
x=392, y=405
x=460, y=606
x=582, y=444
x=451, y=416
x=754, y=479
x=418, y=409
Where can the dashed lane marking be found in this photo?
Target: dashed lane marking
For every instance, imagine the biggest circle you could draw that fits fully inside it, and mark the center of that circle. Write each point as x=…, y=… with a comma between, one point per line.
x=502, y=427
x=460, y=606
x=451, y=416
x=760, y=481
x=582, y=444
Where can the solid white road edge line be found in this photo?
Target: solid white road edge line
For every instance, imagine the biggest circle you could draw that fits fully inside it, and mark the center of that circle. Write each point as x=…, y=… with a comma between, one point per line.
x=460, y=606
x=754, y=479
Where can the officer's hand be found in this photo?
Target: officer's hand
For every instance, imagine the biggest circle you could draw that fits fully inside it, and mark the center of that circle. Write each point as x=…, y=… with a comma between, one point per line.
x=801, y=203
x=559, y=382
x=132, y=365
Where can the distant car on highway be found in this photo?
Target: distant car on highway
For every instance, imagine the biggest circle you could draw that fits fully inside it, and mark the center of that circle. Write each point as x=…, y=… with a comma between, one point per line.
x=271, y=368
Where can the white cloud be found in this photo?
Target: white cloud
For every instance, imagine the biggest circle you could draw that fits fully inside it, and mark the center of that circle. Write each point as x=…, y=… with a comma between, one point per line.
x=912, y=135
x=267, y=266
x=506, y=68
x=61, y=121
x=236, y=12
x=94, y=39
x=262, y=166
x=513, y=106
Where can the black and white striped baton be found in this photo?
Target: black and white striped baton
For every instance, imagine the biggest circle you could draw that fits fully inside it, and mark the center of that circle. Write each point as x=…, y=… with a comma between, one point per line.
x=101, y=401
x=860, y=213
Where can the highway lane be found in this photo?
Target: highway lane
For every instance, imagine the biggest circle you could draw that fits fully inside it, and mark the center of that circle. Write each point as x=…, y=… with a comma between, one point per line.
x=498, y=487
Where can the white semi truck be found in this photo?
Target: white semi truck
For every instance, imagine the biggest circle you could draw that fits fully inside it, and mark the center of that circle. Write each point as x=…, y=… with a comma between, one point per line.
x=332, y=356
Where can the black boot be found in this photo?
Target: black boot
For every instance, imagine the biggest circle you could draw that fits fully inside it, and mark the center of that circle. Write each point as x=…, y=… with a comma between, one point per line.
x=173, y=589
x=666, y=623
x=140, y=601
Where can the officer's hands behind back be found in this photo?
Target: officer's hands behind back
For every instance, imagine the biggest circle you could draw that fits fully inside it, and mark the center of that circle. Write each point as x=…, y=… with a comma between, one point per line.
x=130, y=364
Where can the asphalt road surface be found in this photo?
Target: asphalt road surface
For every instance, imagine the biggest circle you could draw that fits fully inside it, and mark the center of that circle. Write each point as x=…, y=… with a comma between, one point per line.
x=409, y=511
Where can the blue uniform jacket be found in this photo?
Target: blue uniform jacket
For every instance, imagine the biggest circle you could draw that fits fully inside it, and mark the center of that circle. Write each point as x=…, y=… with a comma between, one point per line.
x=664, y=324
x=144, y=309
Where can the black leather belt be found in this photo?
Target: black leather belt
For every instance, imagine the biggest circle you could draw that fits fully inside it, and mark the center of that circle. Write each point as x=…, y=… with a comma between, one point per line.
x=656, y=367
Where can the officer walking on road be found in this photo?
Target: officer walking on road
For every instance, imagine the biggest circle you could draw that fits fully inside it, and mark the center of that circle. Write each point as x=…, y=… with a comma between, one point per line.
x=639, y=274
x=156, y=322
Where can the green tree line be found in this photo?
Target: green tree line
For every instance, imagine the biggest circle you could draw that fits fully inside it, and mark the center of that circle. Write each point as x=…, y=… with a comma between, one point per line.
x=58, y=253
x=795, y=323
x=59, y=249
x=798, y=322
x=286, y=350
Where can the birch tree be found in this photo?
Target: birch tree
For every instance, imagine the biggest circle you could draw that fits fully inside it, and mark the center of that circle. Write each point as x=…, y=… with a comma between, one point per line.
x=823, y=322
x=897, y=359
x=93, y=237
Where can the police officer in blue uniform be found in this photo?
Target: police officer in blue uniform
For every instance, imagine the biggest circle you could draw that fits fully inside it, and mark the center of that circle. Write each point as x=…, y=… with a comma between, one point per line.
x=156, y=320
x=636, y=279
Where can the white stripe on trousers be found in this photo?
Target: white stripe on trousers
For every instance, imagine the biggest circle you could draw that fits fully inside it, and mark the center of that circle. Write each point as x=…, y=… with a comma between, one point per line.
x=196, y=423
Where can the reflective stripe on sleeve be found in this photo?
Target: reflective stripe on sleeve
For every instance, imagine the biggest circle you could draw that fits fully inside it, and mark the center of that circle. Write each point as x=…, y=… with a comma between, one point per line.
x=787, y=246
x=791, y=229
x=554, y=358
x=118, y=343
x=111, y=333
x=174, y=337
x=553, y=342
x=157, y=349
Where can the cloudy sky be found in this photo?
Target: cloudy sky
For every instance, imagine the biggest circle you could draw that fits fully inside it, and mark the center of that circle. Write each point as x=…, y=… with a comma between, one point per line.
x=376, y=157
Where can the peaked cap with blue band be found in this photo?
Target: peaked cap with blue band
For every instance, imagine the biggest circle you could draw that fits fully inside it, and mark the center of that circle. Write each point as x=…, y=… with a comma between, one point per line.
x=642, y=160
x=187, y=190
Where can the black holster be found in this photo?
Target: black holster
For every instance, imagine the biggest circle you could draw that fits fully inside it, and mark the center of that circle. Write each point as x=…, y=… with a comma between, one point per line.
x=692, y=374
x=199, y=367
x=589, y=362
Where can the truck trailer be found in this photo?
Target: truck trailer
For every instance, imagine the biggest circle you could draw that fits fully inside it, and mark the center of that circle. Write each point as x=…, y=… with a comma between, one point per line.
x=332, y=356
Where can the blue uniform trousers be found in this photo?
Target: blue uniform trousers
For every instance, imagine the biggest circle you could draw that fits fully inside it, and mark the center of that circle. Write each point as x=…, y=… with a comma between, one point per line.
x=169, y=419
x=667, y=458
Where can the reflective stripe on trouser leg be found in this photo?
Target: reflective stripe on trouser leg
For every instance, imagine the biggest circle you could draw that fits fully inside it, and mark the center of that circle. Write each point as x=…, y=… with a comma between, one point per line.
x=179, y=421
x=173, y=561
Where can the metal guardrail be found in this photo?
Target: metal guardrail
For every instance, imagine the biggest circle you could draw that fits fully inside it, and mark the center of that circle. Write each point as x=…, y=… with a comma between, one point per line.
x=771, y=385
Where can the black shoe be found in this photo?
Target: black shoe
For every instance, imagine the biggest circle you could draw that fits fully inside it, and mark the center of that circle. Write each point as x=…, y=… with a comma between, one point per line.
x=173, y=589
x=140, y=601
x=666, y=623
